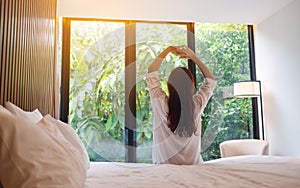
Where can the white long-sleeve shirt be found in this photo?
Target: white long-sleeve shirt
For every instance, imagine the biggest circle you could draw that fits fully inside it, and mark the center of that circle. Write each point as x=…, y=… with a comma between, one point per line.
x=168, y=147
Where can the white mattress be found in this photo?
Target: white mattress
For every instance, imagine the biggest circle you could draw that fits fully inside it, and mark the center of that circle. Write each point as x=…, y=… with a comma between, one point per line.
x=242, y=171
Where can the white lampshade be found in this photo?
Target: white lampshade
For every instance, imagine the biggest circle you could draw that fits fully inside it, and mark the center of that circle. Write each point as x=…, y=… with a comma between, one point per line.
x=251, y=89
x=246, y=89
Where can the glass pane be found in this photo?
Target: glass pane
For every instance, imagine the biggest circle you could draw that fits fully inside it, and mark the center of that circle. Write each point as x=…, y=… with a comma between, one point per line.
x=97, y=87
x=151, y=39
x=224, y=48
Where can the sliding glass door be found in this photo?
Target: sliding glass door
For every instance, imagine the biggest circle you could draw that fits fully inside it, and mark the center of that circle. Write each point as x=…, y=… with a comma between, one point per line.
x=104, y=93
x=96, y=98
x=225, y=50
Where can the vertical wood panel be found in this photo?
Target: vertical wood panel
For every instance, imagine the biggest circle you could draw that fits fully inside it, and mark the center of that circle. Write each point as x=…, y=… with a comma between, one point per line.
x=1, y=40
x=13, y=53
x=2, y=86
x=27, y=53
x=17, y=55
x=22, y=79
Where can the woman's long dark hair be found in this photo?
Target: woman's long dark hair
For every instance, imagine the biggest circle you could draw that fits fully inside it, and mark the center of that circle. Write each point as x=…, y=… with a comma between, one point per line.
x=180, y=102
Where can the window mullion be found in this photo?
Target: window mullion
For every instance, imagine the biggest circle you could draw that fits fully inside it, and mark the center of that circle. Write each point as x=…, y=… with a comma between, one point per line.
x=253, y=77
x=65, y=72
x=191, y=45
x=130, y=91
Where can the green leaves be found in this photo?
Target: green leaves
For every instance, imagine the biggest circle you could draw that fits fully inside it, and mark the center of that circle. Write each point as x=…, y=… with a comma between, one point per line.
x=224, y=48
x=97, y=83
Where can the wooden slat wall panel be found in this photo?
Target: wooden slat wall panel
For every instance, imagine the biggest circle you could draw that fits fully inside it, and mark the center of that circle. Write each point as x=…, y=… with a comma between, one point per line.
x=27, y=53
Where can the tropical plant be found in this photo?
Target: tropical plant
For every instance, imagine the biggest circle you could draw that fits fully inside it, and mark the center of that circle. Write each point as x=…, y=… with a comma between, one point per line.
x=224, y=48
x=97, y=84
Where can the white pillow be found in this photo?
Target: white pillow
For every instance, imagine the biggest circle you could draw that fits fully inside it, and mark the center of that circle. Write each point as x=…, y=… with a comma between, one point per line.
x=4, y=110
x=70, y=134
x=34, y=115
x=37, y=155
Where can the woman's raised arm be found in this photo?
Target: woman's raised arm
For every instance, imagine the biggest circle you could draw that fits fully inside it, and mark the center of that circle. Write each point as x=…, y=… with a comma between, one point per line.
x=186, y=52
x=159, y=59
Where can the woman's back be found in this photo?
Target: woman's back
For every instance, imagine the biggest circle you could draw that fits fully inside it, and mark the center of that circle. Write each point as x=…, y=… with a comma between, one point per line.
x=167, y=146
x=177, y=118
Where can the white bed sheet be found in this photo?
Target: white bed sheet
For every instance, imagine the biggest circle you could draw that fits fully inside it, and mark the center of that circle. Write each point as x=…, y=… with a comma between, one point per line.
x=242, y=171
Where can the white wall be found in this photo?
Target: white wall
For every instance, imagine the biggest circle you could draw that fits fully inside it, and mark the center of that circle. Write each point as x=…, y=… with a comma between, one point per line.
x=277, y=42
x=223, y=11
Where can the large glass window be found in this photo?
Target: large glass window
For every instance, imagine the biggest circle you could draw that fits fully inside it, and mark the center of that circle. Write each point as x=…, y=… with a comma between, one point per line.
x=96, y=105
x=97, y=88
x=225, y=50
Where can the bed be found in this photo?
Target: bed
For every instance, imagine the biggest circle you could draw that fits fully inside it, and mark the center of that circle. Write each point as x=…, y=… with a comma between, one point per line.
x=242, y=171
x=41, y=151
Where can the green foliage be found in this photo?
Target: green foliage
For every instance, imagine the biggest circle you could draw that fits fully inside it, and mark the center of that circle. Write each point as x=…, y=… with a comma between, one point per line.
x=97, y=84
x=224, y=48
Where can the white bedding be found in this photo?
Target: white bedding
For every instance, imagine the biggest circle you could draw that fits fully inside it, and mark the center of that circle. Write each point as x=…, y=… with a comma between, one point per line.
x=242, y=171
x=25, y=157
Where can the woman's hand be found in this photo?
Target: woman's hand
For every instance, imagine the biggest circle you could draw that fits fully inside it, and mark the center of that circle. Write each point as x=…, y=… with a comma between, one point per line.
x=174, y=50
x=181, y=51
x=159, y=59
x=185, y=52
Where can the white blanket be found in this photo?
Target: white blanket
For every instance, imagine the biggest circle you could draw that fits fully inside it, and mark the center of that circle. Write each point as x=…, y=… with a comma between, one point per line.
x=242, y=171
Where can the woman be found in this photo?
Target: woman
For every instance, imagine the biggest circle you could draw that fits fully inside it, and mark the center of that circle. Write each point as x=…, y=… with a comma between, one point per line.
x=177, y=117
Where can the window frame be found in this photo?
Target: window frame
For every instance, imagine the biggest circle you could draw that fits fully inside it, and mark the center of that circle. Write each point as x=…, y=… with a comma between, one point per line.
x=130, y=81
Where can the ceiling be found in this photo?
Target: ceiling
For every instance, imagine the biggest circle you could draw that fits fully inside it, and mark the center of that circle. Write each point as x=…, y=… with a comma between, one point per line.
x=222, y=11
